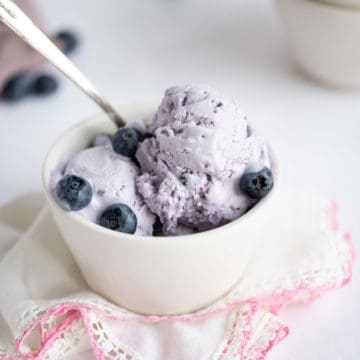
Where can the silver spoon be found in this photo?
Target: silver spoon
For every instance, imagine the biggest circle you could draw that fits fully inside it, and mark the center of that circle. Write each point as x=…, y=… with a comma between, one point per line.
x=16, y=20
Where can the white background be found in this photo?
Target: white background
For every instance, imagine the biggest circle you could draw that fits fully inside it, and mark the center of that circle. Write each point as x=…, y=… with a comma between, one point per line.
x=134, y=49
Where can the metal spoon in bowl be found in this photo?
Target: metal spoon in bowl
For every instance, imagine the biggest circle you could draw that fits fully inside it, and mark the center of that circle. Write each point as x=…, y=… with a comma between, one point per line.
x=16, y=20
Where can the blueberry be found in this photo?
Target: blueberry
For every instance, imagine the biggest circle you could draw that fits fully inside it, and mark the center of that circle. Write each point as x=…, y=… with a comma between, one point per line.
x=257, y=184
x=73, y=192
x=69, y=41
x=119, y=217
x=17, y=87
x=44, y=85
x=126, y=141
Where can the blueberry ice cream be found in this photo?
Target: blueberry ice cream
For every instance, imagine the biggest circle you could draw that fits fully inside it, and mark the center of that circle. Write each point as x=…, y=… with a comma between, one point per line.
x=194, y=166
x=200, y=147
x=112, y=178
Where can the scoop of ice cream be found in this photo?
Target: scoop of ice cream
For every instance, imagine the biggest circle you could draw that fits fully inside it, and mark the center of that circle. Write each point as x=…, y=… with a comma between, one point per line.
x=200, y=146
x=112, y=177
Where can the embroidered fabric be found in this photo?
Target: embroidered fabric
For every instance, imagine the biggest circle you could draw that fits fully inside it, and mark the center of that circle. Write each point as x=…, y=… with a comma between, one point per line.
x=55, y=328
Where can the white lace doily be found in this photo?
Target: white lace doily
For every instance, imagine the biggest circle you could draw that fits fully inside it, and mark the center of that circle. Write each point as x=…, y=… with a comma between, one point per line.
x=51, y=313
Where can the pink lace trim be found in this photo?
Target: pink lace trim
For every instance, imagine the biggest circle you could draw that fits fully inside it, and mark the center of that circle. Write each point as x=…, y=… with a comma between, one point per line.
x=245, y=330
x=237, y=344
x=72, y=311
x=279, y=334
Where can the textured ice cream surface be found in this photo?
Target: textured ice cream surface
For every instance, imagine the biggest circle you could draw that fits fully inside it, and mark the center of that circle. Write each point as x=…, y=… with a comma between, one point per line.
x=186, y=176
x=112, y=177
x=200, y=146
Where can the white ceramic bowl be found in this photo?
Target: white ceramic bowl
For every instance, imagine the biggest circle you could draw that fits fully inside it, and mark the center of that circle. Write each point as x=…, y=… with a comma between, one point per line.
x=324, y=40
x=153, y=275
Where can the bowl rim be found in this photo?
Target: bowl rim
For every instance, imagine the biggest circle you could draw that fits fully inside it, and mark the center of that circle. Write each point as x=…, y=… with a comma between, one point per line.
x=47, y=168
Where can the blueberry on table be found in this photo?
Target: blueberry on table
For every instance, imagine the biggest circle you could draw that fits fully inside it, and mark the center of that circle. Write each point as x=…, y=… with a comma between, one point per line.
x=68, y=40
x=73, y=192
x=256, y=185
x=44, y=85
x=126, y=141
x=17, y=87
x=119, y=217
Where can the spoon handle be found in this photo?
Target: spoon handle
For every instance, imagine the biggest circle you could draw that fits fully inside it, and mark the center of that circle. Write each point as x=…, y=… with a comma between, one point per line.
x=15, y=19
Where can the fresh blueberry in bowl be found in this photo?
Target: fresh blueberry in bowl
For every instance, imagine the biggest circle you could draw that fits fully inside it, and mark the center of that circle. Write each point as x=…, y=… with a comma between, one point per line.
x=257, y=185
x=125, y=141
x=73, y=192
x=119, y=217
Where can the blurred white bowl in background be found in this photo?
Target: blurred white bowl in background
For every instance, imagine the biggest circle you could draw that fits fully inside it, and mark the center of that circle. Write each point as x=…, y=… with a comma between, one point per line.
x=343, y=3
x=324, y=40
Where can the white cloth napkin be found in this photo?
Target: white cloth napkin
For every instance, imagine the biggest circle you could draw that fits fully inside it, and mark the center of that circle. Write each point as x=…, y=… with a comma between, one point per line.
x=48, y=311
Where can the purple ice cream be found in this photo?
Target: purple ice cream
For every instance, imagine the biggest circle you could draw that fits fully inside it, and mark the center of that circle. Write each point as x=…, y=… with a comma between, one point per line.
x=200, y=146
x=112, y=177
x=196, y=149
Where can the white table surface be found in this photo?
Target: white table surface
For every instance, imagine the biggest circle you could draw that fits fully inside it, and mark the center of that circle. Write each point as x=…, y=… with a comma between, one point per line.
x=137, y=48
